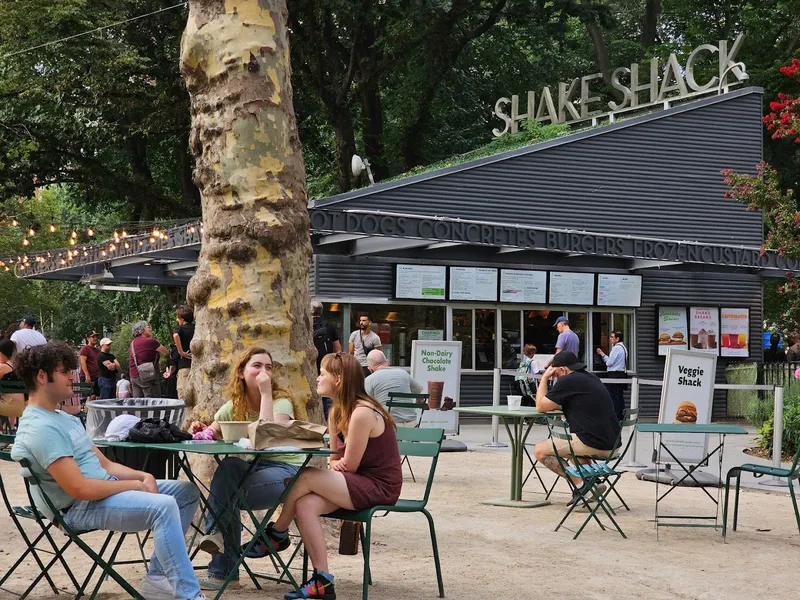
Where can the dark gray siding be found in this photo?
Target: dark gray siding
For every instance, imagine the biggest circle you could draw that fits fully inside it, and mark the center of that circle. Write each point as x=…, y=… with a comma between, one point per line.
x=345, y=277
x=682, y=289
x=656, y=175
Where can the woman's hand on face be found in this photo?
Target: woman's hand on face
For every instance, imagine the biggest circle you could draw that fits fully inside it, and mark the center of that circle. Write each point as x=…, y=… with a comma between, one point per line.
x=264, y=381
x=197, y=426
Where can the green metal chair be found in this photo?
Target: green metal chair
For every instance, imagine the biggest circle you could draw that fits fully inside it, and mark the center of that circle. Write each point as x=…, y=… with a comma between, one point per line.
x=790, y=474
x=592, y=474
x=73, y=537
x=411, y=442
x=420, y=406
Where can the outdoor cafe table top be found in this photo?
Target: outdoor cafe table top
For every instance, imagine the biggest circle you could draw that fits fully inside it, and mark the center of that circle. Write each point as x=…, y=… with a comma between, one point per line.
x=504, y=411
x=212, y=448
x=719, y=428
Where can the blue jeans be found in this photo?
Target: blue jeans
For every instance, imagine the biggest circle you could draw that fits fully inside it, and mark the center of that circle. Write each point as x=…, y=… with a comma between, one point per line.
x=108, y=388
x=261, y=490
x=168, y=514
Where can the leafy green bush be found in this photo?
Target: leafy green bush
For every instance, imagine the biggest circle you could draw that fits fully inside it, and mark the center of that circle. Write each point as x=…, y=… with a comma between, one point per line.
x=791, y=422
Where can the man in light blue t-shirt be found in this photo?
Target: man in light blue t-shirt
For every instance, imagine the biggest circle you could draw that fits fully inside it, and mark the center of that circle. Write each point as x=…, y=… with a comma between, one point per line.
x=568, y=340
x=92, y=492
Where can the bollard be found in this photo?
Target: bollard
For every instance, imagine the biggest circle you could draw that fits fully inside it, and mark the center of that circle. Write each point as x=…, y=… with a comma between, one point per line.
x=777, y=439
x=633, y=463
x=495, y=419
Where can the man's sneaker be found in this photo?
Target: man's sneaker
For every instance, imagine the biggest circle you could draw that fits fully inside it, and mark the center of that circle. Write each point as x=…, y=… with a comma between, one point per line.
x=213, y=543
x=319, y=586
x=214, y=582
x=156, y=588
x=278, y=542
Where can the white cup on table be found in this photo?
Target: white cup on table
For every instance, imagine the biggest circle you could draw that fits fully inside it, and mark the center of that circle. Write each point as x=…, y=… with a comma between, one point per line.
x=514, y=402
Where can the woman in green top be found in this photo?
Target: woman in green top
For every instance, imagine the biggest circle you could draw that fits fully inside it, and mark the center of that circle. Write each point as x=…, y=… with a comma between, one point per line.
x=254, y=395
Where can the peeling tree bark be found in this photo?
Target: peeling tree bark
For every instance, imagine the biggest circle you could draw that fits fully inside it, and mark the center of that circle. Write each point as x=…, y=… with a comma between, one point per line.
x=251, y=284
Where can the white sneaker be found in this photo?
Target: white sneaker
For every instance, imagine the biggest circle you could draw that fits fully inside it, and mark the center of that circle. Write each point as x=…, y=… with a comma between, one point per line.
x=213, y=543
x=158, y=588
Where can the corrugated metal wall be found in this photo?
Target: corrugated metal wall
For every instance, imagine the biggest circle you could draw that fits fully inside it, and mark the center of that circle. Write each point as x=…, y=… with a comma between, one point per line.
x=346, y=277
x=680, y=289
x=649, y=176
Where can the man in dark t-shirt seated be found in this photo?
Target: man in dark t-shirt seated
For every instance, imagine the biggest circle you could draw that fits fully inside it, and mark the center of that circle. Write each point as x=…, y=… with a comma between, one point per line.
x=588, y=409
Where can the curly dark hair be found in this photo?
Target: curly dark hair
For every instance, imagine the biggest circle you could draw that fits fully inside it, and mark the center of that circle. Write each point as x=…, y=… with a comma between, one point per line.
x=46, y=357
x=185, y=313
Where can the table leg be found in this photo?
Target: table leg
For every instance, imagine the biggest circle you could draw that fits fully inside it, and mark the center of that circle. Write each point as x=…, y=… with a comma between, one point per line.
x=517, y=440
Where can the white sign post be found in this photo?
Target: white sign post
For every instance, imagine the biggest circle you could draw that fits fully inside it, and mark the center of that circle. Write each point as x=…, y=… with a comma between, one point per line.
x=686, y=397
x=437, y=367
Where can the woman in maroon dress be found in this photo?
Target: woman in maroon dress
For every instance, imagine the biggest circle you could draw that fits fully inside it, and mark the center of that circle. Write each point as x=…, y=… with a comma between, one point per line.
x=365, y=470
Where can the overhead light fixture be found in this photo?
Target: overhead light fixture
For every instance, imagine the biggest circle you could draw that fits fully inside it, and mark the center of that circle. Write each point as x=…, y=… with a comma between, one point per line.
x=359, y=165
x=102, y=287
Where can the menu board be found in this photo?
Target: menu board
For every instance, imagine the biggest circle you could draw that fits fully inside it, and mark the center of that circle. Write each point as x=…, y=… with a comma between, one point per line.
x=672, y=329
x=734, y=327
x=619, y=290
x=704, y=329
x=572, y=288
x=420, y=282
x=473, y=283
x=523, y=286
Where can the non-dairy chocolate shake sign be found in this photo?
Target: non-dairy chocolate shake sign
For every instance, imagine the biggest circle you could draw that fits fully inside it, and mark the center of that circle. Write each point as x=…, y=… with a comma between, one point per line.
x=686, y=398
x=436, y=366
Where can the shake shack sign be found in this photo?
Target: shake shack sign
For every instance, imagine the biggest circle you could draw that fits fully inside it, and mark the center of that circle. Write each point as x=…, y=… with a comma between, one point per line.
x=324, y=221
x=634, y=87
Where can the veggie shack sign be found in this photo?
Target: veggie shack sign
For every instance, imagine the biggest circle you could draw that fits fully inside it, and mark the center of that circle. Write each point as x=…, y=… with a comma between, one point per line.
x=573, y=101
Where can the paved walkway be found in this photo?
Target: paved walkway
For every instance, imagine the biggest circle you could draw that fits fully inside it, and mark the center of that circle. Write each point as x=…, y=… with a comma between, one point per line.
x=476, y=433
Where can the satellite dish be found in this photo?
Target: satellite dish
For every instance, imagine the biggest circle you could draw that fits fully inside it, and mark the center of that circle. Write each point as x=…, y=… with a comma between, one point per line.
x=358, y=166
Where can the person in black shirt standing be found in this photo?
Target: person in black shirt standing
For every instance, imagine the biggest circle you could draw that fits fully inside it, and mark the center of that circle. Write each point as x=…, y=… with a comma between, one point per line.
x=108, y=367
x=326, y=341
x=587, y=407
x=182, y=337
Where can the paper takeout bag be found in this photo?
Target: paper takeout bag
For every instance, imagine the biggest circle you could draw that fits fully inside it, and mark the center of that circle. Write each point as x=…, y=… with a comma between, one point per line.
x=300, y=434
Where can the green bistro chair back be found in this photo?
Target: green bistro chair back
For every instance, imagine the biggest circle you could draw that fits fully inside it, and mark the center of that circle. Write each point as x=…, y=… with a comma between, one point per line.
x=396, y=400
x=790, y=474
x=590, y=472
x=73, y=536
x=411, y=442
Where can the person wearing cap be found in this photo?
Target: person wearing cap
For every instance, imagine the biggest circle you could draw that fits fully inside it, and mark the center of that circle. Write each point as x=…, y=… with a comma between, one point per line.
x=588, y=409
x=88, y=355
x=567, y=339
x=26, y=335
x=108, y=367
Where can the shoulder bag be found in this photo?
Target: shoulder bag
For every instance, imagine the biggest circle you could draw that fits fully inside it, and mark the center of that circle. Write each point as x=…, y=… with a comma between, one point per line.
x=147, y=371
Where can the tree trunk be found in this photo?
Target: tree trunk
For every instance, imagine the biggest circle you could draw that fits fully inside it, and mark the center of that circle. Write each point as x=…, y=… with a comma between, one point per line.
x=372, y=129
x=345, y=146
x=251, y=284
x=652, y=12
x=600, y=50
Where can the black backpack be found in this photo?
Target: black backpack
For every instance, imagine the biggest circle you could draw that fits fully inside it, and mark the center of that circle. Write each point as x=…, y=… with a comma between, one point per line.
x=322, y=339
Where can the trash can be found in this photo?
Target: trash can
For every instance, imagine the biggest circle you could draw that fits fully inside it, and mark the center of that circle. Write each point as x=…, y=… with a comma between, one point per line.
x=99, y=414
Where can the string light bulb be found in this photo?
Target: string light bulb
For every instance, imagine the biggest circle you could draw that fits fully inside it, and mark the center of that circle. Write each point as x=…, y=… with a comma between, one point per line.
x=31, y=232
x=90, y=232
x=25, y=242
x=124, y=233
x=74, y=234
x=14, y=222
x=52, y=228
x=72, y=242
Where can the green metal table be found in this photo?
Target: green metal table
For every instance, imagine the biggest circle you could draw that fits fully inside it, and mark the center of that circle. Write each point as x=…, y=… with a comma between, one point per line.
x=514, y=422
x=660, y=429
x=219, y=450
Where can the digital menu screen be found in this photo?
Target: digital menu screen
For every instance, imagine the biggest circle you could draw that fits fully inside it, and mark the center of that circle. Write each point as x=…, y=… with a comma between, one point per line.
x=473, y=283
x=572, y=288
x=420, y=282
x=529, y=287
x=619, y=290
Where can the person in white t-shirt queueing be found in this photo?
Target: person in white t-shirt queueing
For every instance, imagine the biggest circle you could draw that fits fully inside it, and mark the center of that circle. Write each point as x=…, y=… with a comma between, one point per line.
x=27, y=335
x=123, y=387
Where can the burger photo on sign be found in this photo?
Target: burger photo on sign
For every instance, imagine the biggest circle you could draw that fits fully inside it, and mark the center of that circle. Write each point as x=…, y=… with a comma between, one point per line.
x=686, y=413
x=677, y=337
